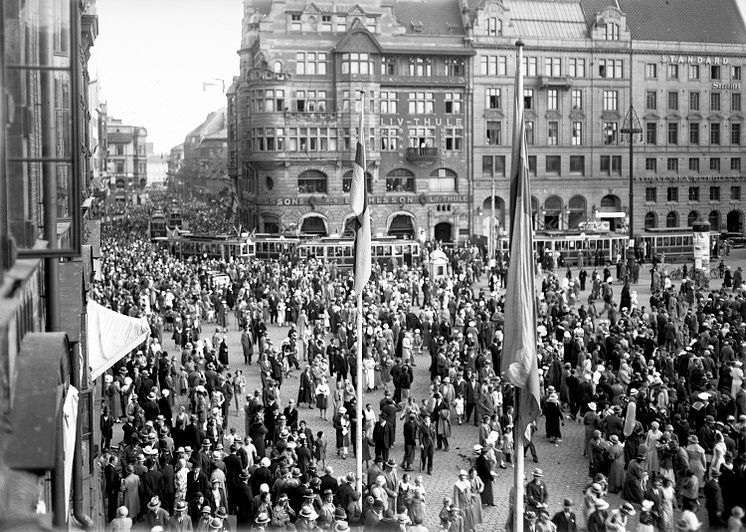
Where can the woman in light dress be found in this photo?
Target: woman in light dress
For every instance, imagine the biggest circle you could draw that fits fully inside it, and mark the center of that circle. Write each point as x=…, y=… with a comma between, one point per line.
x=697, y=461
x=369, y=373
x=462, y=499
x=718, y=453
x=651, y=443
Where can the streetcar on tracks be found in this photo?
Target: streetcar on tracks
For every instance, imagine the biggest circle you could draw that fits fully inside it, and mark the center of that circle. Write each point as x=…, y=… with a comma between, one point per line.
x=387, y=251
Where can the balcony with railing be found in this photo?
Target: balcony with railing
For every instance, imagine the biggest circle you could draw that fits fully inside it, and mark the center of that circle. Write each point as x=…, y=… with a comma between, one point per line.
x=422, y=154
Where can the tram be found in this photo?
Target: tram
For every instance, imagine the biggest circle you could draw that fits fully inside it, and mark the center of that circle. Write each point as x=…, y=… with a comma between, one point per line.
x=222, y=247
x=387, y=251
x=175, y=219
x=597, y=248
x=157, y=226
x=674, y=244
x=272, y=246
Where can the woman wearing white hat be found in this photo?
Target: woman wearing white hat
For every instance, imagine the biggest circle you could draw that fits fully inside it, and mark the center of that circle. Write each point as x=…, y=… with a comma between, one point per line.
x=554, y=418
x=462, y=498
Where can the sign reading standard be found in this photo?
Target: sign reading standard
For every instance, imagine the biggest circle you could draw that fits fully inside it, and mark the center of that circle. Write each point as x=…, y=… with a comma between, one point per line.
x=726, y=86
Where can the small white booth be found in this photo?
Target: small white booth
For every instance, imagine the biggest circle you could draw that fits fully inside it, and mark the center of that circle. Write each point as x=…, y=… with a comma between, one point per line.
x=437, y=264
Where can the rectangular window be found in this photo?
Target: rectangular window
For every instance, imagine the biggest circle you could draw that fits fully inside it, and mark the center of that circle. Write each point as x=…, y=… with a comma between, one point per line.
x=673, y=133
x=715, y=164
x=499, y=165
x=390, y=139
x=673, y=100
x=552, y=99
x=611, y=68
x=295, y=23
x=715, y=72
x=735, y=73
x=735, y=101
x=494, y=133
x=455, y=66
x=651, y=194
x=651, y=133
x=673, y=71
x=420, y=67
x=529, y=66
x=611, y=133
x=735, y=134
x=341, y=24
x=694, y=133
x=651, y=71
x=553, y=164
x=714, y=134
x=494, y=99
x=672, y=164
x=530, y=132
x=487, y=165
x=326, y=23
x=454, y=138
x=735, y=193
x=693, y=193
x=453, y=102
x=651, y=100
x=357, y=63
x=715, y=193
x=651, y=164
x=735, y=164
x=493, y=65
x=672, y=194
x=714, y=101
x=577, y=134
x=611, y=100
x=552, y=133
x=421, y=137
x=576, y=68
x=389, y=103
x=388, y=65
x=370, y=24
x=694, y=164
x=577, y=99
x=494, y=26
x=577, y=164
x=694, y=101
x=552, y=67
x=611, y=164
x=693, y=72
x=300, y=101
x=300, y=63
x=421, y=103
x=528, y=98
x=612, y=31
x=532, y=165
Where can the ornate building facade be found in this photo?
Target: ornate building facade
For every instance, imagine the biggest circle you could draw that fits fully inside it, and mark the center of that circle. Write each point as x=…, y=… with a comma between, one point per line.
x=438, y=81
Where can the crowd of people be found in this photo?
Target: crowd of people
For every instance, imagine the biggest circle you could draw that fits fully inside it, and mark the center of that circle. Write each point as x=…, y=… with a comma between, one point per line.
x=659, y=389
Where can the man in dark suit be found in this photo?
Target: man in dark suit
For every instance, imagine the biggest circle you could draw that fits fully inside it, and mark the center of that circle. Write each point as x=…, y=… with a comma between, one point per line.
x=471, y=398
x=427, y=444
x=233, y=469
x=382, y=437
x=410, y=442
x=329, y=481
x=291, y=415
x=243, y=502
x=152, y=483
x=113, y=485
x=565, y=520
x=614, y=424
x=536, y=491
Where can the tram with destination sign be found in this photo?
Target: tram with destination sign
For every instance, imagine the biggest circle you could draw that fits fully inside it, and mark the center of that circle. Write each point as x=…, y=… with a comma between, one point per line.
x=387, y=251
x=673, y=244
x=600, y=249
x=223, y=247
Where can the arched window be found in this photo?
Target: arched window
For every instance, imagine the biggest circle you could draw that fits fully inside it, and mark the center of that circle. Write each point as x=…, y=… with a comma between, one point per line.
x=552, y=212
x=277, y=67
x=611, y=203
x=714, y=219
x=314, y=225
x=443, y=180
x=651, y=220
x=693, y=217
x=347, y=181
x=577, y=206
x=270, y=224
x=672, y=219
x=312, y=182
x=400, y=180
x=402, y=225
x=499, y=209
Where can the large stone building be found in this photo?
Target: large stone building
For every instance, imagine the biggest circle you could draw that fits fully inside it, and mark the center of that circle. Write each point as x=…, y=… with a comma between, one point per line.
x=438, y=80
x=203, y=166
x=127, y=160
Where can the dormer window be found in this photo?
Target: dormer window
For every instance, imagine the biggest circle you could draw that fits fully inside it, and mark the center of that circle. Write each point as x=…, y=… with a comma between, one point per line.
x=494, y=26
x=326, y=23
x=612, y=31
x=370, y=24
x=295, y=23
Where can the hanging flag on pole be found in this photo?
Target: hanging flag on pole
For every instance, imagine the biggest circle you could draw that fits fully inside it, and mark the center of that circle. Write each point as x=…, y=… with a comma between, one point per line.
x=519, y=362
x=359, y=204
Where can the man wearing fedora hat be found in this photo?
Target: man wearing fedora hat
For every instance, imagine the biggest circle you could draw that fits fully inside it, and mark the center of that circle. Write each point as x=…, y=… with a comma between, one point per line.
x=616, y=520
x=156, y=516
x=596, y=521
x=536, y=491
x=243, y=500
x=565, y=520
x=180, y=521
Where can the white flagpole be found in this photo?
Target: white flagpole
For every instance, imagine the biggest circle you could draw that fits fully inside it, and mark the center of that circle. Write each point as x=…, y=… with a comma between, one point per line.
x=359, y=354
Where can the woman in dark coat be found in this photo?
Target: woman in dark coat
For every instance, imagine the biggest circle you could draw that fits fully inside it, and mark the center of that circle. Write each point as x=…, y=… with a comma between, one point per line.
x=553, y=415
x=636, y=471
x=484, y=471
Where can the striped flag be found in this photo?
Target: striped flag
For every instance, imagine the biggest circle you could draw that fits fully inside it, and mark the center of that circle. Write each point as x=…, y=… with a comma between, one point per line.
x=519, y=361
x=359, y=204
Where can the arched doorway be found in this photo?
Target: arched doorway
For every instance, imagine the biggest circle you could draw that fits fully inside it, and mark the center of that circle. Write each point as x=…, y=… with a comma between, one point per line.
x=444, y=232
x=672, y=219
x=552, y=213
x=314, y=225
x=270, y=224
x=611, y=211
x=402, y=225
x=577, y=207
x=734, y=222
x=714, y=219
x=487, y=215
x=651, y=220
x=691, y=218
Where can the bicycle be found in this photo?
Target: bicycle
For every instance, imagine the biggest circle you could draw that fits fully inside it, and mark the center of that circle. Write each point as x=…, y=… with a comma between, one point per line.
x=715, y=273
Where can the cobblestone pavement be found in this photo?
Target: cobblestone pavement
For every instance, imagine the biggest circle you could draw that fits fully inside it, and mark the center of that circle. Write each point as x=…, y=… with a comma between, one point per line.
x=565, y=469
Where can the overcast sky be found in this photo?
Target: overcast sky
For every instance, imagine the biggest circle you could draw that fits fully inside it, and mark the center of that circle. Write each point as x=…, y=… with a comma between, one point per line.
x=152, y=57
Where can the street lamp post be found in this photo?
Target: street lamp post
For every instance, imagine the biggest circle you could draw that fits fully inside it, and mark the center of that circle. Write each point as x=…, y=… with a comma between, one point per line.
x=631, y=126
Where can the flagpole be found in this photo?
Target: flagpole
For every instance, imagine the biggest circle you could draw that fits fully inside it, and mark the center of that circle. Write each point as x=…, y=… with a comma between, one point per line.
x=518, y=444
x=359, y=393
